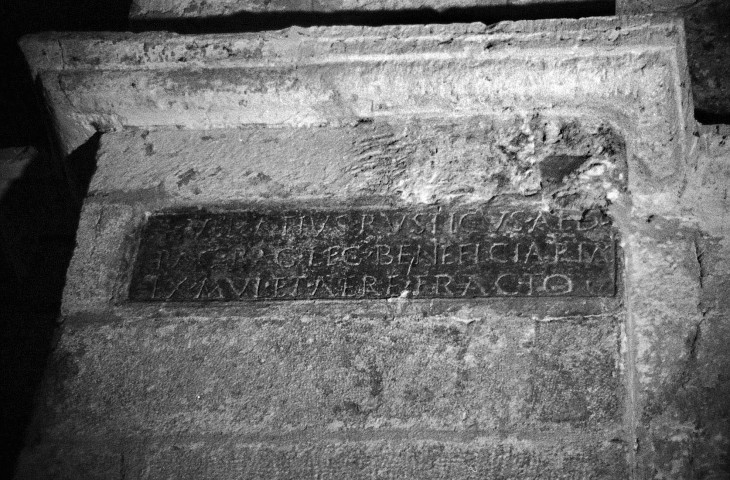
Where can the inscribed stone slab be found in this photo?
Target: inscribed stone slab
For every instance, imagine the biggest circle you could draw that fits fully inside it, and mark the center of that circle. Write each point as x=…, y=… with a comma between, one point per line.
x=434, y=252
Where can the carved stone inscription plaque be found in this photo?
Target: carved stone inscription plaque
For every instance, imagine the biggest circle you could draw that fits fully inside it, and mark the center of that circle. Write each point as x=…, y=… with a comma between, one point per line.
x=367, y=253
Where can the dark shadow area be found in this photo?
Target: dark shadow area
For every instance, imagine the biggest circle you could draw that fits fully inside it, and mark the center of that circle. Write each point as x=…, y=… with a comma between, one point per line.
x=711, y=118
x=38, y=213
x=251, y=22
x=36, y=239
x=38, y=219
x=80, y=167
x=21, y=116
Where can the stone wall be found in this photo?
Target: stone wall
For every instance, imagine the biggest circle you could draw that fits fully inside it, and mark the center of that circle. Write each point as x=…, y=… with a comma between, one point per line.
x=613, y=386
x=678, y=411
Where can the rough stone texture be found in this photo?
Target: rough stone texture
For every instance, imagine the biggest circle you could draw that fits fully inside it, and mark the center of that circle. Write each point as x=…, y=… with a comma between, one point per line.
x=708, y=48
x=474, y=369
x=151, y=9
x=347, y=75
x=647, y=370
x=682, y=360
x=707, y=23
x=393, y=457
x=405, y=160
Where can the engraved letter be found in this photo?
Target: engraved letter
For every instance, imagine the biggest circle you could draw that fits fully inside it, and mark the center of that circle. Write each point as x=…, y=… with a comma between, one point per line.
x=402, y=255
x=277, y=286
x=383, y=252
x=445, y=256
x=297, y=281
x=390, y=287
x=445, y=286
x=557, y=283
x=463, y=253
x=331, y=253
x=533, y=251
x=366, y=219
x=246, y=283
x=289, y=259
x=471, y=284
x=598, y=255
x=537, y=220
x=498, y=247
x=319, y=282
x=463, y=218
x=318, y=231
x=195, y=226
x=419, y=223
x=213, y=292
x=368, y=285
x=345, y=286
x=395, y=225
x=354, y=260
x=509, y=284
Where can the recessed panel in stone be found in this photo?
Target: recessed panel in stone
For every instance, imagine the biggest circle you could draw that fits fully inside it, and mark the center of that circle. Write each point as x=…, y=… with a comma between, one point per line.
x=369, y=253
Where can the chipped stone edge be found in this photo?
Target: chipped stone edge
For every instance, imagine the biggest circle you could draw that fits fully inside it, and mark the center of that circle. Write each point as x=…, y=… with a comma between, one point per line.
x=51, y=54
x=57, y=51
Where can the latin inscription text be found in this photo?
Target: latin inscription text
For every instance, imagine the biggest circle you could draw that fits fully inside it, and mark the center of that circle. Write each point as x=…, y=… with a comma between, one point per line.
x=364, y=254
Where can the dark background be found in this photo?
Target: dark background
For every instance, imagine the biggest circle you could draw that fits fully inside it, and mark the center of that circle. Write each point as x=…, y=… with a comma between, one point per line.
x=38, y=214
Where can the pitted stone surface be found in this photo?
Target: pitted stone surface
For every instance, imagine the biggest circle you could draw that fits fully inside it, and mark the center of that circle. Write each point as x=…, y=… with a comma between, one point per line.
x=395, y=457
x=708, y=47
x=473, y=370
x=576, y=162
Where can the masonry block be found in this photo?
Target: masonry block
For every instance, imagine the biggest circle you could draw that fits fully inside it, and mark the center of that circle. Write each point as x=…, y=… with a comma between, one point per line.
x=552, y=119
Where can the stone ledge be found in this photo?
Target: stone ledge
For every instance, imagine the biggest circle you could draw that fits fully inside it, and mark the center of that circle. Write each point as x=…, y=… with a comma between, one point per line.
x=340, y=75
x=156, y=9
x=59, y=51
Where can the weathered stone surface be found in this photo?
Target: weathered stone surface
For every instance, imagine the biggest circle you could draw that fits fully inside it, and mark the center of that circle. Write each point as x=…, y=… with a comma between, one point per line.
x=570, y=161
x=473, y=369
x=392, y=457
x=344, y=75
x=624, y=92
x=153, y=9
x=708, y=48
x=390, y=164
x=343, y=388
x=330, y=367
x=681, y=325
